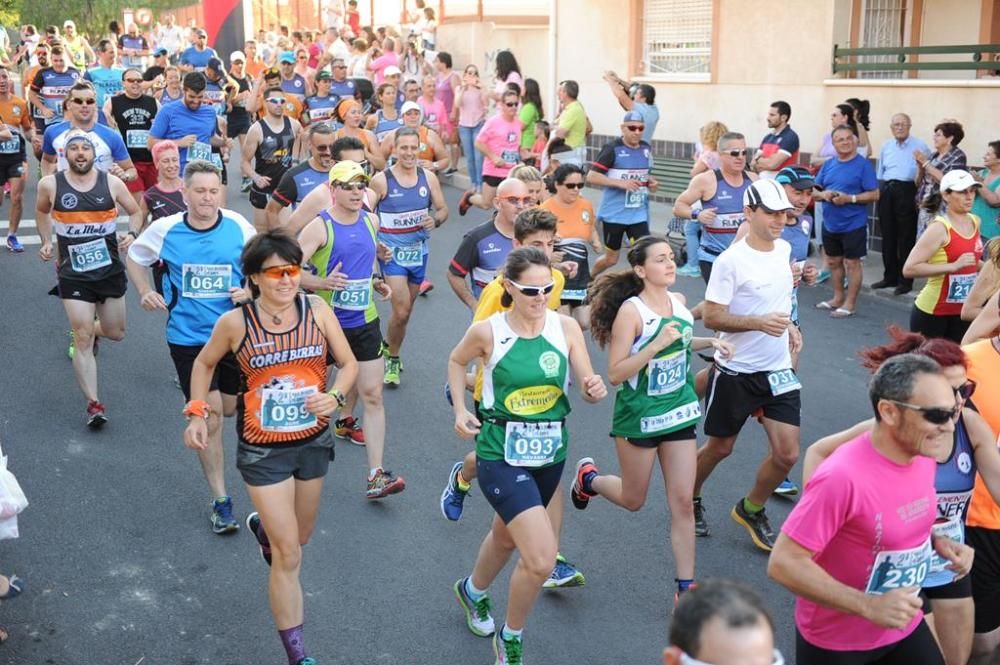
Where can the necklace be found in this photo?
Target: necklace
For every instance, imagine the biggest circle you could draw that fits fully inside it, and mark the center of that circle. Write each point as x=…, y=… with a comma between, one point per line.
x=275, y=316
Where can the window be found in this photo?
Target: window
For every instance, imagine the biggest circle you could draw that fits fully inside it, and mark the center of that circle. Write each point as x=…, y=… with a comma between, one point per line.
x=883, y=23
x=677, y=39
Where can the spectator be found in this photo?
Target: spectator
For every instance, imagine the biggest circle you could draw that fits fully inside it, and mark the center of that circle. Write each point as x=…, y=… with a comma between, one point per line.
x=861, y=108
x=413, y=64
x=428, y=31
x=469, y=113
x=380, y=63
x=572, y=123
x=507, y=72
x=639, y=97
x=357, y=66
x=707, y=159
x=987, y=199
x=897, y=211
x=780, y=148
x=843, y=114
x=353, y=17
x=171, y=37
x=946, y=157
x=531, y=112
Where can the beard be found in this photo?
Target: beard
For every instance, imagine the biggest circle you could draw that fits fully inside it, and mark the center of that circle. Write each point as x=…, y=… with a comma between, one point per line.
x=81, y=169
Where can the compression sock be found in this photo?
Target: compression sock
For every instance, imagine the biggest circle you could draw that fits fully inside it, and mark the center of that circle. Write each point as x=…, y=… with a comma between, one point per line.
x=295, y=648
x=470, y=588
x=751, y=507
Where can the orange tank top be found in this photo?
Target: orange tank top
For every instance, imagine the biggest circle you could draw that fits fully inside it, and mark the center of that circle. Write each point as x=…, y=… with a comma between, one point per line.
x=984, y=369
x=279, y=371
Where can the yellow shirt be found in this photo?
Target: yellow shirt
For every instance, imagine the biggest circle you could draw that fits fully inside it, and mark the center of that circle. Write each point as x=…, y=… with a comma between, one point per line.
x=489, y=304
x=574, y=118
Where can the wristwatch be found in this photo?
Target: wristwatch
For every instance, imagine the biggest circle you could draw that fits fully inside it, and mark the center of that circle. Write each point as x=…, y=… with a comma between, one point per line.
x=854, y=198
x=337, y=395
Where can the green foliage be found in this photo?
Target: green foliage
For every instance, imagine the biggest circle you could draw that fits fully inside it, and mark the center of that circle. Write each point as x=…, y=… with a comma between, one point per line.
x=10, y=13
x=91, y=16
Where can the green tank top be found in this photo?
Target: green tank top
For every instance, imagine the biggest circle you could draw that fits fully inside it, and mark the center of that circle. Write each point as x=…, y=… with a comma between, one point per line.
x=659, y=399
x=524, y=404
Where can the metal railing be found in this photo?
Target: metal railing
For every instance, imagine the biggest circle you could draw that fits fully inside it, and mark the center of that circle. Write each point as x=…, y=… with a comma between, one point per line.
x=983, y=57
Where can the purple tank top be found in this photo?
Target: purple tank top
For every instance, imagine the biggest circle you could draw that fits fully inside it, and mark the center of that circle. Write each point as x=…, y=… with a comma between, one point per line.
x=444, y=92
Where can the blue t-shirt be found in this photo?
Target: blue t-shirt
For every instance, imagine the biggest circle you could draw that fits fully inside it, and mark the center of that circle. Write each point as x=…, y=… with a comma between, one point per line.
x=109, y=147
x=620, y=162
x=344, y=89
x=481, y=254
x=107, y=81
x=854, y=176
x=797, y=235
x=651, y=116
x=200, y=268
x=176, y=120
x=198, y=59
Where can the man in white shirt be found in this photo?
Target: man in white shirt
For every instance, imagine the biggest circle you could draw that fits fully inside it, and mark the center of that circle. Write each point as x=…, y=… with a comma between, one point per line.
x=171, y=37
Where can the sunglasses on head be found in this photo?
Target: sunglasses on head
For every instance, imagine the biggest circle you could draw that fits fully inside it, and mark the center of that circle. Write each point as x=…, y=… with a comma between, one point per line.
x=519, y=200
x=534, y=291
x=573, y=185
x=276, y=100
x=635, y=128
x=277, y=272
x=935, y=415
x=966, y=390
x=735, y=153
x=84, y=100
x=353, y=186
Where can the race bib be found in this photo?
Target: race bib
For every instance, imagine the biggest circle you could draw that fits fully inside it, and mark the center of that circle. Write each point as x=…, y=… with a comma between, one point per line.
x=636, y=199
x=89, y=256
x=946, y=529
x=532, y=444
x=285, y=410
x=727, y=222
x=667, y=374
x=511, y=156
x=959, y=287
x=11, y=146
x=137, y=138
x=682, y=415
x=783, y=381
x=356, y=296
x=199, y=150
x=574, y=294
x=217, y=160
x=206, y=281
x=410, y=256
x=899, y=569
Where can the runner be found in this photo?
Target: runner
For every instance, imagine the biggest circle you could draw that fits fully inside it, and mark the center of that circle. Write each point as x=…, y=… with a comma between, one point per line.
x=197, y=254
x=271, y=146
x=171, y=90
x=272, y=78
x=341, y=244
x=748, y=300
x=340, y=85
x=166, y=197
x=386, y=118
x=238, y=118
x=15, y=115
x=284, y=449
x=77, y=46
x=195, y=58
x=622, y=168
x=950, y=611
x=345, y=148
x=650, y=334
x=321, y=106
x=349, y=113
x=132, y=114
x=405, y=194
x=721, y=193
x=304, y=177
x=133, y=47
x=190, y=124
x=292, y=83
x=83, y=202
x=856, y=559
x=431, y=154
x=50, y=89
x=523, y=477
x=107, y=75
x=499, y=140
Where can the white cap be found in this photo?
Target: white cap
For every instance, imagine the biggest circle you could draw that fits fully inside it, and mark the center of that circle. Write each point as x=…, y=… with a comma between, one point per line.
x=767, y=193
x=958, y=181
x=68, y=23
x=410, y=106
x=393, y=70
x=237, y=55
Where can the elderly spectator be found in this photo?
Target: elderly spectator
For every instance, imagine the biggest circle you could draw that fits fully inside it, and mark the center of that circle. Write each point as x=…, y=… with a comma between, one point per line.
x=946, y=157
x=987, y=197
x=572, y=123
x=897, y=210
x=381, y=62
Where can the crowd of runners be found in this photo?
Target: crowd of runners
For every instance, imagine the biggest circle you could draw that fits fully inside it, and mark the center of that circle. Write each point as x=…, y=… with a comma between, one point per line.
x=893, y=549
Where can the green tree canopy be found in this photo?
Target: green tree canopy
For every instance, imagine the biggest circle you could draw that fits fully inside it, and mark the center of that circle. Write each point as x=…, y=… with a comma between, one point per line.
x=91, y=16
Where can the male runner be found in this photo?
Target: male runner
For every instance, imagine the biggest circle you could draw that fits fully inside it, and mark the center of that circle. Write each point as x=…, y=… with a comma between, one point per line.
x=431, y=154
x=341, y=86
x=749, y=300
x=132, y=114
x=50, y=88
x=341, y=244
x=304, y=177
x=133, y=47
x=346, y=148
x=780, y=148
x=405, y=194
x=320, y=108
x=859, y=543
x=107, y=75
x=13, y=152
x=190, y=124
x=292, y=83
x=268, y=152
x=83, y=202
x=195, y=58
x=200, y=272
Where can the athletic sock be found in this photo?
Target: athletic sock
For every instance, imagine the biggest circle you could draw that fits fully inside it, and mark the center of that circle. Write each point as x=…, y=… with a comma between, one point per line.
x=462, y=483
x=683, y=585
x=508, y=634
x=295, y=648
x=751, y=507
x=470, y=588
x=372, y=471
x=588, y=478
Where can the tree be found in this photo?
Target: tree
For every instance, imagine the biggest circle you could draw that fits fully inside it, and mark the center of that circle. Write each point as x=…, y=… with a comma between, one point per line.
x=91, y=16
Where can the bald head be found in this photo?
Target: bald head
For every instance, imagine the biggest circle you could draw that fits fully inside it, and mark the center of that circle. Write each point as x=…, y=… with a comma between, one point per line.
x=507, y=189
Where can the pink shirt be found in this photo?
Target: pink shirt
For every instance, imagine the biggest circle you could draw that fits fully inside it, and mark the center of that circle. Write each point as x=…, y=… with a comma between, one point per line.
x=435, y=114
x=471, y=109
x=380, y=63
x=502, y=138
x=869, y=522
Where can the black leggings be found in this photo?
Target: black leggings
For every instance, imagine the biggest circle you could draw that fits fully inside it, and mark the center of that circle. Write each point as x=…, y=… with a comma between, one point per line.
x=917, y=648
x=929, y=325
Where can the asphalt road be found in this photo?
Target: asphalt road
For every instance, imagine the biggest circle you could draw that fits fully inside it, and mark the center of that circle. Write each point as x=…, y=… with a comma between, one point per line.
x=122, y=567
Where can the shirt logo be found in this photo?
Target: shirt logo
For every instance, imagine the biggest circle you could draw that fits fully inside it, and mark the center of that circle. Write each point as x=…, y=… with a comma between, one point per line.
x=585, y=216
x=549, y=362
x=964, y=462
x=505, y=340
x=422, y=191
x=68, y=200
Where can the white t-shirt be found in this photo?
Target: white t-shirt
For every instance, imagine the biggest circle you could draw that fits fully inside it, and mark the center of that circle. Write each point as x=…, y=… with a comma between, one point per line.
x=753, y=283
x=171, y=39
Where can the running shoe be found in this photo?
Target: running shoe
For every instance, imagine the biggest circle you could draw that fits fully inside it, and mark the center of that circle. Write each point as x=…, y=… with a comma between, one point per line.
x=14, y=245
x=308, y=660
x=822, y=276
x=71, y=351
x=222, y=516
x=349, y=429
x=392, y=369
x=787, y=488
x=245, y=185
x=384, y=483
x=508, y=652
x=477, y=612
x=756, y=525
x=263, y=544
x=580, y=496
x=700, y=525
x=96, y=416
x=689, y=271
x=564, y=575
x=453, y=498
x=451, y=170
x=426, y=287
x=465, y=202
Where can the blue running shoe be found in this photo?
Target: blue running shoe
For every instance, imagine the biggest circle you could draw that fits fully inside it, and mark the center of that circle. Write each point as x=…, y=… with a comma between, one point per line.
x=222, y=516
x=307, y=661
x=823, y=276
x=564, y=574
x=14, y=245
x=453, y=498
x=787, y=488
x=447, y=394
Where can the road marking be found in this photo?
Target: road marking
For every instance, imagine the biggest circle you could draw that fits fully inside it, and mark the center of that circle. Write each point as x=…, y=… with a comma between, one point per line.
x=33, y=240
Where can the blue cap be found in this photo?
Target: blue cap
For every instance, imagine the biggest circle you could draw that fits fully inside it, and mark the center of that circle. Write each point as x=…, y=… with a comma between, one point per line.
x=287, y=56
x=214, y=64
x=633, y=116
x=796, y=176
x=160, y=51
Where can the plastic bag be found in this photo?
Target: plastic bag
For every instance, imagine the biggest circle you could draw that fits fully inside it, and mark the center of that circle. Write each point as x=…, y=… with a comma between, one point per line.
x=12, y=499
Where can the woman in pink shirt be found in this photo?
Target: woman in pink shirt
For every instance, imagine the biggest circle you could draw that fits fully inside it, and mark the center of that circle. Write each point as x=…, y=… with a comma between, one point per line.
x=507, y=72
x=389, y=58
x=468, y=113
x=445, y=89
x=499, y=141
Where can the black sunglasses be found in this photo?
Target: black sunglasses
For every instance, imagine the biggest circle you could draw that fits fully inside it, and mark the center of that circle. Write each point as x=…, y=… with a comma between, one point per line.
x=573, y=185
x=932, y=414
x=735, y=153
x=966, y=390
x=511, y=105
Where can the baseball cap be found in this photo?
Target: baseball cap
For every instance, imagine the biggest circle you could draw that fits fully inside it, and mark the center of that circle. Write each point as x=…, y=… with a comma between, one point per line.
x=214, y=64
x=346, y=171
x=237, y=55
x=160, y=51
x=410, y=106
x=796, y=176
x=767, y=193
x=323, y=75
x=201, y=33
x=958, y=181
x=633, y=116
x=287, y=56
x=69, y=24
x=78, y=135
x=393, y=70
